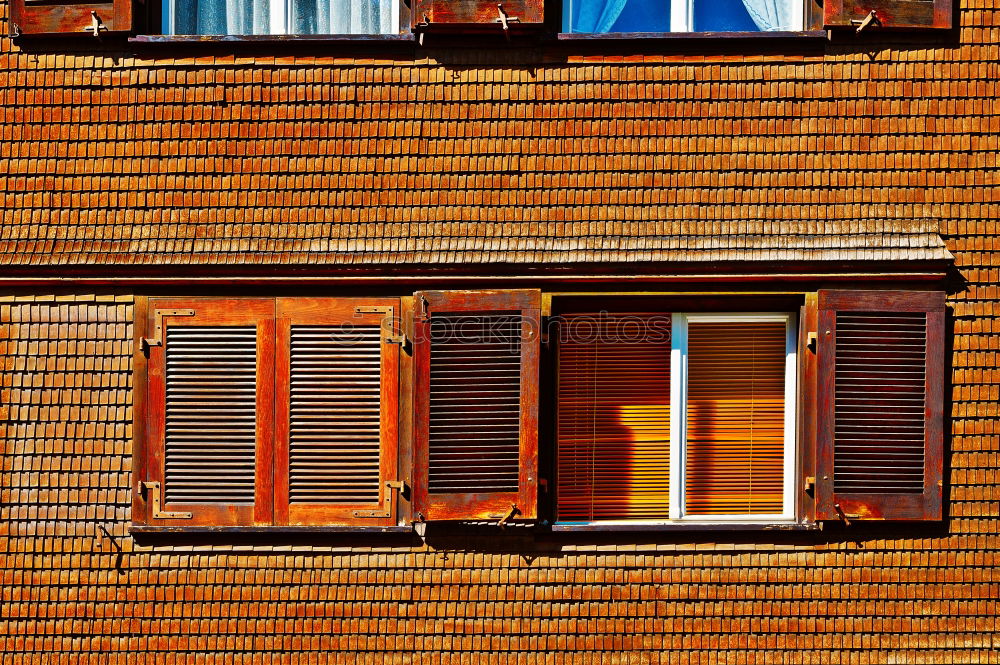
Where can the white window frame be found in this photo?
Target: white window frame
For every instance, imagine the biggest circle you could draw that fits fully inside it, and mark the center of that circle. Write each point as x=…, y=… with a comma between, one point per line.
x=678, y=425
x=682, y=15
x=280, y=14
x=678, y=414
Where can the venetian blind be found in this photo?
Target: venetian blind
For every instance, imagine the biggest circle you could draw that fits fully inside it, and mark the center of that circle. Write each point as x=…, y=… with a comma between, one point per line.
x=613, y=441
x=735, y=418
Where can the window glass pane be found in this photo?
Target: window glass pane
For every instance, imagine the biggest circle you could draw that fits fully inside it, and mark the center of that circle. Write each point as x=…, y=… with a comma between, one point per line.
x=735, y=418
x=746, y=15
x=613, y=441
x=221, y=17
x=307, y=17
x=722, y=16
x=600, y=16
x=358, y=17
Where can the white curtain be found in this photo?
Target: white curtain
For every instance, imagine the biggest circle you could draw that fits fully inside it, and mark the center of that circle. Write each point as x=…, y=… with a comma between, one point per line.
x=304, y=17
x=771, y=14
x=595, y=16
x=342, y=17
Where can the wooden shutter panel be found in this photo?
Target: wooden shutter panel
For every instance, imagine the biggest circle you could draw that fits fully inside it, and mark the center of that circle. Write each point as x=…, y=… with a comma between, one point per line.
x=880, y=401
x=431, y=14
x=613, y=417
x=336, y=411
x=476, y=403
x=209, y=411
x=44, y=17
x=889, y=14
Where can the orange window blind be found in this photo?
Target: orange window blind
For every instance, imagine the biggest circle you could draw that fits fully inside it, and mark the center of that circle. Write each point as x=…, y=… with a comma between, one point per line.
x=613, y=440
x=735, y=418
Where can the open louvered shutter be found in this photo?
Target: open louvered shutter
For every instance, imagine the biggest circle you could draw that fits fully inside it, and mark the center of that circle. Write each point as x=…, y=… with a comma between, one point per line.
x=613, y=417
x=888, y=14
x=45, y=17
x=209, y=411
x=336, y=413
x=880, y=395
x=466, y=14
x=476, y=404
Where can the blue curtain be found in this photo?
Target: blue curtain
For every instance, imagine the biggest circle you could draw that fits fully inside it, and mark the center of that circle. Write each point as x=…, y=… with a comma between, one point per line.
x=596, y=16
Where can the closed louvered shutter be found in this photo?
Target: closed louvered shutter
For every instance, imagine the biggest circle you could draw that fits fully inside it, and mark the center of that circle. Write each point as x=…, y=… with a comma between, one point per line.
x=336, y=417
x=476, y=404
x=613, y=418
x=45, y=17
x=880, y=393
x=888, y=14
x=210, y=397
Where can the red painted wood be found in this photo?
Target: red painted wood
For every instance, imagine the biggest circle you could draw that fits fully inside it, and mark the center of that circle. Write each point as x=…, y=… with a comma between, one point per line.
x=475, y=505
x=429, y=13
x=904, y=505
x=70, y=18
x=892, y=14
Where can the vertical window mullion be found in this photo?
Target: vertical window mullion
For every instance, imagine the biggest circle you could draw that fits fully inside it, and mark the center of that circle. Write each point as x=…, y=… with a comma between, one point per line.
x=791, y=391
x=680, y=16
x=278, y=25
x=678, y=411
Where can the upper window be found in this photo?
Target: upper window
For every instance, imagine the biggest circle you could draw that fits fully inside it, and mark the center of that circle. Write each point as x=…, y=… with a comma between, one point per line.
x=607, y=16
x=280, y=17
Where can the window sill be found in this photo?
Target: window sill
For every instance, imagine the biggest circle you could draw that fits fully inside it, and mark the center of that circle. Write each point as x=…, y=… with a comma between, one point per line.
x=617, y=37
x=404, y=39
x=347, y=530
x=620, y=527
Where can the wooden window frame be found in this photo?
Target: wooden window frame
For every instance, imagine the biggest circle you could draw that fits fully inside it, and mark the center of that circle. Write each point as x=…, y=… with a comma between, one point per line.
x=70, y=19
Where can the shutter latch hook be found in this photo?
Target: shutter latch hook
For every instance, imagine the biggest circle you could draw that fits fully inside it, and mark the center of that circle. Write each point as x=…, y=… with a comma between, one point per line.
x=96, y=26
x=505, y=20
x=866, y=22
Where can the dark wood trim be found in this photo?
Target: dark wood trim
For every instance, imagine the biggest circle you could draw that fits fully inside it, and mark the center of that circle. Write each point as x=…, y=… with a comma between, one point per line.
x=772, y=36
x=140, y=444
x=345, y=530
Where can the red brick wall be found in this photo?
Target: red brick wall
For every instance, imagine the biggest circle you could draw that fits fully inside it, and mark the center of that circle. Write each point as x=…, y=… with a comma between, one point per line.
x=197, y=156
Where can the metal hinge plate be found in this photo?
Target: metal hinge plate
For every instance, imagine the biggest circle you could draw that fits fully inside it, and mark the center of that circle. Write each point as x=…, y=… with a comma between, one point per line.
x=399, y=486
x=157, y=338
x=389, y=335
x=152, y=491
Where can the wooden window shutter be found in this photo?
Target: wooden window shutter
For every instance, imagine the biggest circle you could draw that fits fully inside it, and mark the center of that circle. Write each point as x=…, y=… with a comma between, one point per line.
x=476, y=404
x=889, y=14
x=503, y=15
x=613, y=417
x=335, y=411
x=44, y=17
x=880, y=400
x=209, y=425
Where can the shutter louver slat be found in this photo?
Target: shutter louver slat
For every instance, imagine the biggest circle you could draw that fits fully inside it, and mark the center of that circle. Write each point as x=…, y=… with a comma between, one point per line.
x=613, y=442
x=334, y=411
x=210, y=413
x=475, y=387
x=879, y=402
x=734, y=461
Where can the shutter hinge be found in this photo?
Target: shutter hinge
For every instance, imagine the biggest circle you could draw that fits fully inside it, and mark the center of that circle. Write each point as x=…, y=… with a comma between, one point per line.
x=866, y=22
x=401, y=489
x=389, y=335
x=423, y=311
x=810, y=484
x=157, y=338
x=15, y=30
x=152, y=491
x=811, y=340
x=96, y=26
